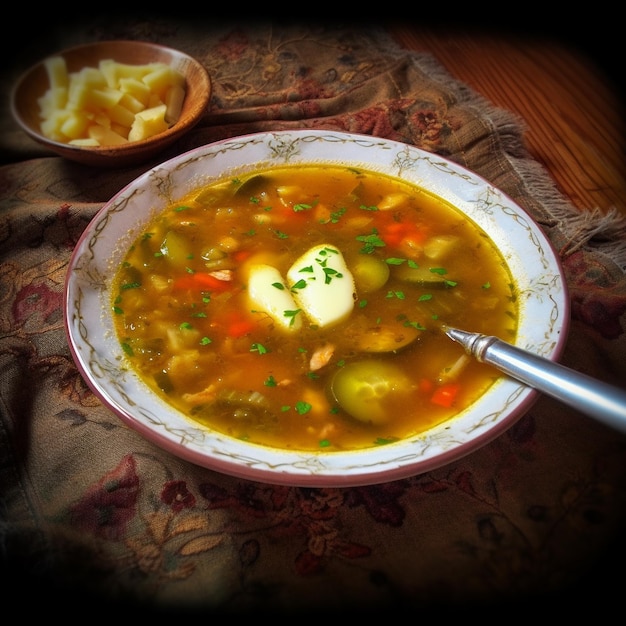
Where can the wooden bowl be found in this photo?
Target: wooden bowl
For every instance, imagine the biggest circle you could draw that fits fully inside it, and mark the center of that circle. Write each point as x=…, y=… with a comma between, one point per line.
x=34, y=83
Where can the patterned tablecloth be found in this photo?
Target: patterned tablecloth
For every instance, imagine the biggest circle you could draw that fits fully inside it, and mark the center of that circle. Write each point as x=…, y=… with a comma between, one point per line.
x=90, y=509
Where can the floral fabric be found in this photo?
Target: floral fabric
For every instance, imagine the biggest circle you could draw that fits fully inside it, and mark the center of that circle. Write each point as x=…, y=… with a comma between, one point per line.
x=90, y=509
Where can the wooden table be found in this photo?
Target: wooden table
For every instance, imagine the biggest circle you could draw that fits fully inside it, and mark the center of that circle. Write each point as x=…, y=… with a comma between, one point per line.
x=572, y=107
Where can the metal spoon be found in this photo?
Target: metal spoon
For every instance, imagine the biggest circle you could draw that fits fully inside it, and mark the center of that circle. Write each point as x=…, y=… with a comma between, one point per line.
x=595, y=398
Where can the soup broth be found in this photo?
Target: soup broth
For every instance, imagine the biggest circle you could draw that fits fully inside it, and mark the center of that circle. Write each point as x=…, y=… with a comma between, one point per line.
x=301, y=307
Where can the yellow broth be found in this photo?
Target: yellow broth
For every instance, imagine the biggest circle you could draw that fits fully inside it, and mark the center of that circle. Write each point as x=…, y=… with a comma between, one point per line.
x=381, y=372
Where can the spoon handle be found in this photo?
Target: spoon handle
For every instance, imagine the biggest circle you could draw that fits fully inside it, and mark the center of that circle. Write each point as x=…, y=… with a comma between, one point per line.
x=593, y=397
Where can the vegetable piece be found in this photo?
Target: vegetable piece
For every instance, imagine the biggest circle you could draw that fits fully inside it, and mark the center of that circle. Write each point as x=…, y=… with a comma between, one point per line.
x=386, y=338
x=75, y=125
x=441, y=246
x=268, y=292
x=56, y=70
x=364, y=389
x=114, y=71
x=174, y=98
x=237, y=325
x=252, y=185
x=148, y=122
x=52, y=104
x=203, y=281
x=419, y=274
x=451, y=373
x=105, y=136
x=185, y=336
x=370, y=272
x=238, y=398
x=406, y=235
x=161, y=78
x=162, y=379
x=322, y=285
x=119, y=115
x=131, y=102
x=247, y=409
x=393, y=201
x=446, y=394
x=134, y=91
x=176, y=248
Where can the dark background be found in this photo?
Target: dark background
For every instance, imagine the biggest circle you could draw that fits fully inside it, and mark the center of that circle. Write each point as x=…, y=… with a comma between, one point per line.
x=30, y=33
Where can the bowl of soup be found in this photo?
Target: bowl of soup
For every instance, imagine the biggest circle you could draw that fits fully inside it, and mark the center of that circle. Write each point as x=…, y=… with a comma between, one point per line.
x=273, y=307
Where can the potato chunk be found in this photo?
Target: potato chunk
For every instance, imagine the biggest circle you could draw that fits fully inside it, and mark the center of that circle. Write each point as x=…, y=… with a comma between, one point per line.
x=269, y=293
x=148, y=122
x=112, y=104
x=322, y=285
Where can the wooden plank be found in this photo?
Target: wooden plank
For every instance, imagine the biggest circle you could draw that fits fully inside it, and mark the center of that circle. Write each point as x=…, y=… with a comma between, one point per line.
x=571, y=106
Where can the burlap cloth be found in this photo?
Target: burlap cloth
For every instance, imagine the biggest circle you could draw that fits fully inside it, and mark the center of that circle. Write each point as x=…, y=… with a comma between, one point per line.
x=89, y=509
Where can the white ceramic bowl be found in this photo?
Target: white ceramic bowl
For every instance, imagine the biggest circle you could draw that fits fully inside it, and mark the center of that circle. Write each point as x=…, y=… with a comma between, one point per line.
x=543, y=315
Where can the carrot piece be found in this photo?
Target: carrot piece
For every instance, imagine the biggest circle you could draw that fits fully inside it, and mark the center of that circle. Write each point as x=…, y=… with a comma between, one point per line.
x=238, y=325
x=446, y=394
x=202, y=282
x=398, y=233
x=392, y=234
x=241, y=255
